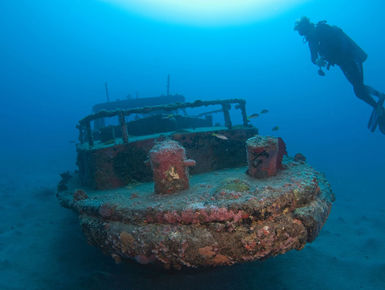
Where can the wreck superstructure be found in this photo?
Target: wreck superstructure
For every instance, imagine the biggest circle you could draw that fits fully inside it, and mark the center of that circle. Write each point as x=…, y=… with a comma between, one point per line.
x=191, y=193
x=118, y=159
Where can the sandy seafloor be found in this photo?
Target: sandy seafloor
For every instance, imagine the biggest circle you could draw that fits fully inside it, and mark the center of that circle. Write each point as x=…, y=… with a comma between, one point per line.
x=42, y=246
x=55, y=58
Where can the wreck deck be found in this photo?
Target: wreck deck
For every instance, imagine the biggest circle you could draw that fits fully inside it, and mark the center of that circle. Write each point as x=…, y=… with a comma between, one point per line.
x=118, y=164
x=223, y=218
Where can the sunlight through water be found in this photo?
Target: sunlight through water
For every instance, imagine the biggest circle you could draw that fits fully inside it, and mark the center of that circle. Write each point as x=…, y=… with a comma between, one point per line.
x=207, y=12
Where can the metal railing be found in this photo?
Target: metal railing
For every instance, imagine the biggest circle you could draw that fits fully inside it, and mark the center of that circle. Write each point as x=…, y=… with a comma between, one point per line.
x=85, y=131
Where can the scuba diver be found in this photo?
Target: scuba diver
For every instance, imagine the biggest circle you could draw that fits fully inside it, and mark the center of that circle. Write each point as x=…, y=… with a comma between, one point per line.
x=330, y=46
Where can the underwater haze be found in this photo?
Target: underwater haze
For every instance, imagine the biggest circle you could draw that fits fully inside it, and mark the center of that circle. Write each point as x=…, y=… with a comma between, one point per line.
x=55, y=59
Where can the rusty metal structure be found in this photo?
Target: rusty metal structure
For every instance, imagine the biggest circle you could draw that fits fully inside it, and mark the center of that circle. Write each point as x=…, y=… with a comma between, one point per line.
x=85, y=132
x=202, y=196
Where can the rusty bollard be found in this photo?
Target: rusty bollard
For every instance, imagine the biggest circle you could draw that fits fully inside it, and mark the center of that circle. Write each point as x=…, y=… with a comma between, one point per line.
x=170, y=167
x=264, y=156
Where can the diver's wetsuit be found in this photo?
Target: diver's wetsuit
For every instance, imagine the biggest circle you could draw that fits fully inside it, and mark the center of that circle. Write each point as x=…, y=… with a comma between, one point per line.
x=334, y=46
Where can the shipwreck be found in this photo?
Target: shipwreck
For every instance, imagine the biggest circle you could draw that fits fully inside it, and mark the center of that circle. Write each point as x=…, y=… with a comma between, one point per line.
x=159, y=185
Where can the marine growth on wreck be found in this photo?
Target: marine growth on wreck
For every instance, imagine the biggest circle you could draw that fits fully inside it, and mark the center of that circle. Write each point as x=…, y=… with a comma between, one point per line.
x=202, y=196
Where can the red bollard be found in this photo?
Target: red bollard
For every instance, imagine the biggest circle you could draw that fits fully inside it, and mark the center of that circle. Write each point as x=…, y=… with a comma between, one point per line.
x=170, y=167
x=264, y=156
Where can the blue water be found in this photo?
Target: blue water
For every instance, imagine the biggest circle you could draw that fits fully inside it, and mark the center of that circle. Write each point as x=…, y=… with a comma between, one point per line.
x=55, y=57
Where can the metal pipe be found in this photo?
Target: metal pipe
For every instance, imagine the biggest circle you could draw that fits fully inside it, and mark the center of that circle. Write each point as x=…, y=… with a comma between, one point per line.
x=242, y=107
x=123, y=126
x=170, y=107
x=89, y=134
x=107, y=94
x=226, y=114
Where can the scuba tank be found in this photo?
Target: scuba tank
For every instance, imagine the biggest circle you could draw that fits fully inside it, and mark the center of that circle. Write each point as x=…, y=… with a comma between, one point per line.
x=358, y=54
x=336, y=46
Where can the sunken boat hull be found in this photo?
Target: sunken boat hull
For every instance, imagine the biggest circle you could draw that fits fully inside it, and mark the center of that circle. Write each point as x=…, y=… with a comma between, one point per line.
x=224, y=217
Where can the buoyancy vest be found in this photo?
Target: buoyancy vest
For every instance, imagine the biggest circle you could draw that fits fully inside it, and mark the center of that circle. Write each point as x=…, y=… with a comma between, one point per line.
x=335, y=46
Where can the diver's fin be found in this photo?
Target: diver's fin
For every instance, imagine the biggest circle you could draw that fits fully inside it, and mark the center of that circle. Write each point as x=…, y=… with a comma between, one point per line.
x=373, y=91
x=373, y=121
x=381, y=124
x=378, y=113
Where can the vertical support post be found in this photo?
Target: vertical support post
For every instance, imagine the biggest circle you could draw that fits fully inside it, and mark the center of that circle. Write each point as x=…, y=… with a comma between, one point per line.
x=242, y=106
x=81, y=134
x=89, y=134
x=226, y=114
x=123, y=126
x=113, y=133
x=168, y=85
x=107, y=94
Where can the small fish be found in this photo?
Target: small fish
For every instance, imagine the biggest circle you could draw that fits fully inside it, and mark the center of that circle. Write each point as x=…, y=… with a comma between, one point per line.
x=264, y=111
x=252, y=116
x=275, y=128
x=72, y=141
x=169, y=116
x=220, y=136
